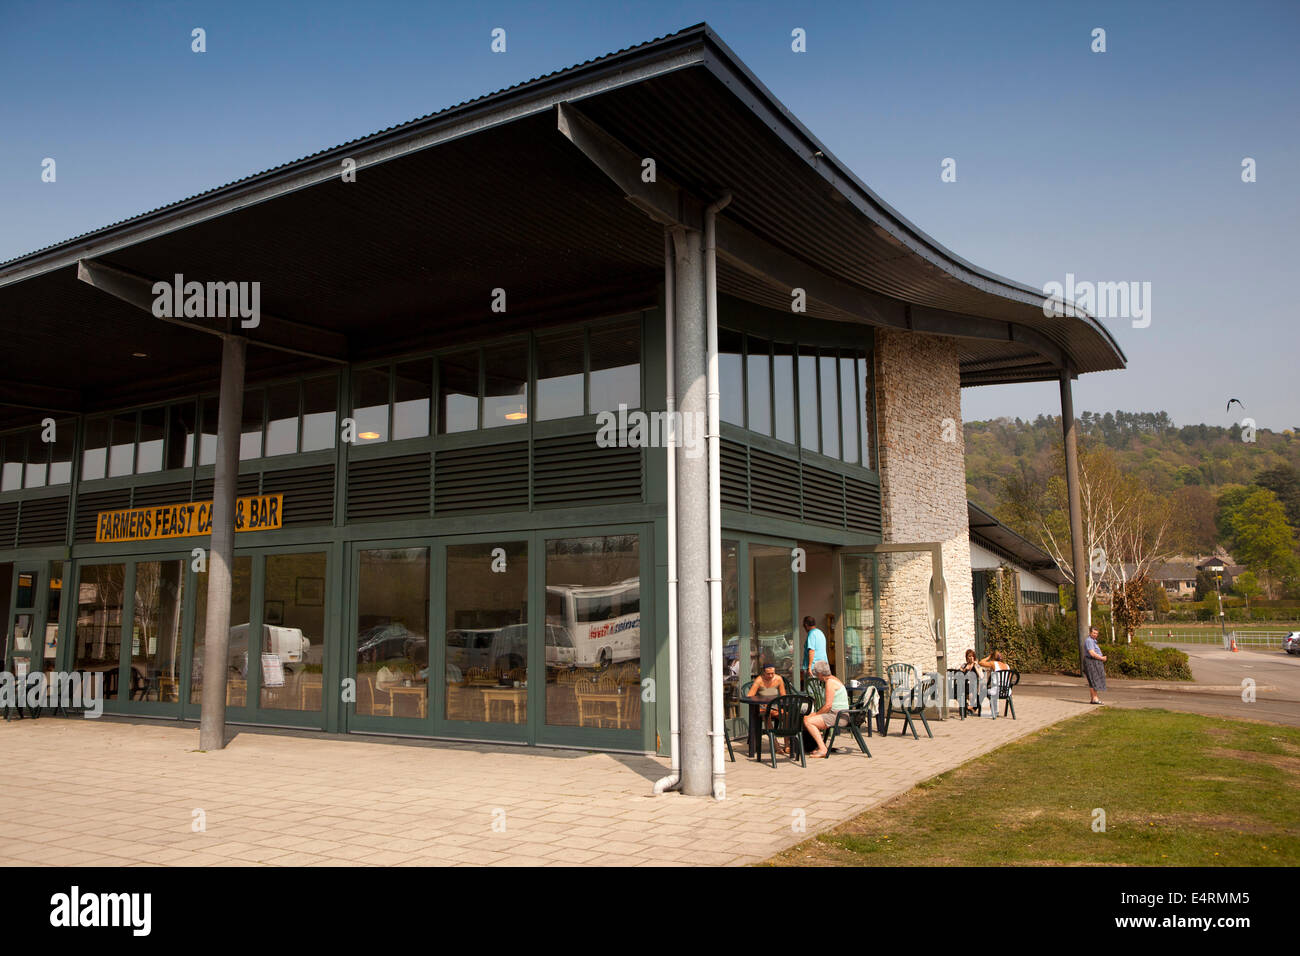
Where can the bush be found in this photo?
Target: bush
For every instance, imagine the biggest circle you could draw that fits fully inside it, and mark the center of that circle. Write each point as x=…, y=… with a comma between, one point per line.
x=1051, y=645
x=1146, y=662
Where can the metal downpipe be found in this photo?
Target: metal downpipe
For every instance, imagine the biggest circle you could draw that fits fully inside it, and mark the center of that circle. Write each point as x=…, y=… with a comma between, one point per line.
x=715, y=495
x=674, y=778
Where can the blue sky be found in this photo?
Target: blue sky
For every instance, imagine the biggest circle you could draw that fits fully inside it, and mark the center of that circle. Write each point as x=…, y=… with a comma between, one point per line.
x=1115, y=166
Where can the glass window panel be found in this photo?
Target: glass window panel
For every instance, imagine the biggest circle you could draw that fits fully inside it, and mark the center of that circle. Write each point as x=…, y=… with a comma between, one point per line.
x=38, y=458
x=859, y=624
x=593, y=632
x=505, y=385
x=252, y=423
x=149, y=452
x=99, y=623
x=208, y=440
x=759, y=387
x=11, y=476
x=65, y=439
x=830, y=413
x=849, y=410
x=156, y=631
x=772, y=611
x=413, y=384
x=240, y=606
x=53, y=604
x=809, y=433
x=121, y=456
x=23, y=626
x=94, y=459
x=487, y=633
x=181, y=426
x=560, y=374
x=293, y=631
x=731, y=378
x=319, y=401
x=458, y=392
x=370, y=405
x=393, y=633
x=616, y=365
x=25, y=595
x=282, y=419
x=864, y=419
x=783, y=392
x=735, y=667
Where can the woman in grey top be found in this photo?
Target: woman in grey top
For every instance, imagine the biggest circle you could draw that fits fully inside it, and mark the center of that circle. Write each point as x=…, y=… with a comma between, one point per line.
x=837, y=699
x=1094, y=665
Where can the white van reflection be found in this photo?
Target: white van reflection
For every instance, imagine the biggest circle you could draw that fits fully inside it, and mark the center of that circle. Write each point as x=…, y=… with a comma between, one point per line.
x=286, y=643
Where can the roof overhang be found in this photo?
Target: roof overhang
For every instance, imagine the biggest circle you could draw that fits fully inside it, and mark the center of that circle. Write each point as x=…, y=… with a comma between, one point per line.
x=491, y=194
x=1027, y=555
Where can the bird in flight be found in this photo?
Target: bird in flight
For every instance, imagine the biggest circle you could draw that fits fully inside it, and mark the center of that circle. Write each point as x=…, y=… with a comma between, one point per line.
x=1228, y=408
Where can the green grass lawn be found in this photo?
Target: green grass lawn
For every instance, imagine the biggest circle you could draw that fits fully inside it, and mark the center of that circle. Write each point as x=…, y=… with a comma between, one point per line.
x=1177, y=789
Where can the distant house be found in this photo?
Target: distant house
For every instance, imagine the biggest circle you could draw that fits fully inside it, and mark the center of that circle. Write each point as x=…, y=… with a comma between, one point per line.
x=992, y=546
x=1178, y=580
x=1230, y=570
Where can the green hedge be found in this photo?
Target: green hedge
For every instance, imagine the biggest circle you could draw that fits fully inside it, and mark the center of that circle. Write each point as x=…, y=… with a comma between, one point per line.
x=1052, y=646
x=1146, y=662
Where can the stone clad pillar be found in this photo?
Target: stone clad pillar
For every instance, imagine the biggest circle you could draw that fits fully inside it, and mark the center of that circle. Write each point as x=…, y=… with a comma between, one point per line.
x=923, y=494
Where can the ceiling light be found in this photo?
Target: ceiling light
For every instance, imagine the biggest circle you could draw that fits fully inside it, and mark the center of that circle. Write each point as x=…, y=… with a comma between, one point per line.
x=369, y=436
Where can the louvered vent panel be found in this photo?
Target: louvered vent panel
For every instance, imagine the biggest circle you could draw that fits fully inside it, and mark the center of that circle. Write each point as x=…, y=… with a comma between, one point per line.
x=247, y=485
x=308, y=494
x=862, y=505
x=43, y=521
x=481, y=479
x=733, y=475
x=89, y=507
x=773, y=484
x=383, y=488
x=574, y=470
x=823, y=497
x=174, y=494
x=8, y=525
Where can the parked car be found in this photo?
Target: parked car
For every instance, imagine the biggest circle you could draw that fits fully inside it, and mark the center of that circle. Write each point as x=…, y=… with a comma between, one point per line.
x=1291, y=643
x=386, y=642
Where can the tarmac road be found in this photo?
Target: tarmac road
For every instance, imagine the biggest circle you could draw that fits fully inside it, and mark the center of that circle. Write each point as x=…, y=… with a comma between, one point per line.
x=1217, y=689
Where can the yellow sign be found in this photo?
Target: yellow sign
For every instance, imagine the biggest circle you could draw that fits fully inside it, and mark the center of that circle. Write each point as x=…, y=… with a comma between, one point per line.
x=254, y=513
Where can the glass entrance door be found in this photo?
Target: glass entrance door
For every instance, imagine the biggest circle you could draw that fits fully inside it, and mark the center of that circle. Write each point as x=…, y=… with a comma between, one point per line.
x=390, y=639
x=25, y=622
x=859, y=651
x=490, y=673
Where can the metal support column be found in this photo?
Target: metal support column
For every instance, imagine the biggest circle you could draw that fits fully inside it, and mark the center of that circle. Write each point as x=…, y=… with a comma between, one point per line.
x=693, y=658
x=221, y=550
x=1078, y=550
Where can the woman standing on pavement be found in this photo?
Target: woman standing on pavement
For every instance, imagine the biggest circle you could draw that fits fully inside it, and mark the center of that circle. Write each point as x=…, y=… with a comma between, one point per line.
x=1094, y=665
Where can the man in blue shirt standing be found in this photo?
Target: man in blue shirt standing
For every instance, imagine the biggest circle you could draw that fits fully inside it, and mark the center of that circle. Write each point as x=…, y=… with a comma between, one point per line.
x=816, y=643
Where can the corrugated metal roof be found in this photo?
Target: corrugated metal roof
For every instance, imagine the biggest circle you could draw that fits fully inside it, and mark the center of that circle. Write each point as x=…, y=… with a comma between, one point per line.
x=386, y=132
x=406, y=257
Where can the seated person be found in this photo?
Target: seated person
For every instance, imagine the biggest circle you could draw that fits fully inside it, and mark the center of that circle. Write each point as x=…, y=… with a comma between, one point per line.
x=837, y=699
x=393, y=672
x=994, y=662
x=971, y=667
x=769, y=685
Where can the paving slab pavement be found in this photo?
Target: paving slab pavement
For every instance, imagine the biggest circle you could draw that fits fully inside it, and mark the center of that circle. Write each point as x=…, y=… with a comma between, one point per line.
x=115, y=792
